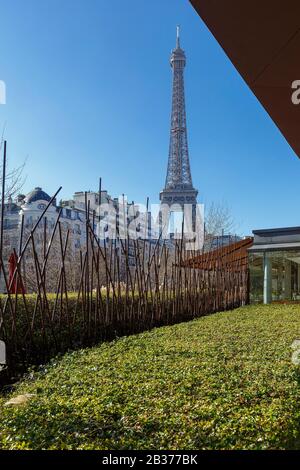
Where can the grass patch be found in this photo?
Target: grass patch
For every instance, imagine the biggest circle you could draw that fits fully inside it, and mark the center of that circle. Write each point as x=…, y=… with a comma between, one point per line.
x=224, y=381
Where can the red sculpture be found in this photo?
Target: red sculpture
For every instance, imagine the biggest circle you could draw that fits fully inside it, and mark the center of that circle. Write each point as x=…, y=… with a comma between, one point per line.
x=17, y=284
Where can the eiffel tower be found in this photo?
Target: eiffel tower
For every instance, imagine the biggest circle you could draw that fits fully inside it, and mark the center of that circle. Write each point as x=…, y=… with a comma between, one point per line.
x=178, y=188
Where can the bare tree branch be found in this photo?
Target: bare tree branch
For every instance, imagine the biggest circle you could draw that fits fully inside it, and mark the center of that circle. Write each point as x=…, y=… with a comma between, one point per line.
x=218, y=222
x=15, y=178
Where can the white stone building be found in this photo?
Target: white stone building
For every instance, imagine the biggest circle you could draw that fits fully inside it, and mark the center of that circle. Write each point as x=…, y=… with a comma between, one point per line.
x=114, y=212
x=31, y=207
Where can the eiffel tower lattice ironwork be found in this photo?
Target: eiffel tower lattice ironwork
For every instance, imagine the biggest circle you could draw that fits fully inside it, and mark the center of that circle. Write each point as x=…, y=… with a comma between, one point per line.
x=178, y=186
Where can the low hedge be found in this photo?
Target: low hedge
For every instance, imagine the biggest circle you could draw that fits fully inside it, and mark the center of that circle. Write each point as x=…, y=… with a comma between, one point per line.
x=35, y=330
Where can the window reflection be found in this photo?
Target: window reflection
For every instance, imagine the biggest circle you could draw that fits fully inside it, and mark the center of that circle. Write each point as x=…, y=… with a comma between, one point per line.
x=285, y=269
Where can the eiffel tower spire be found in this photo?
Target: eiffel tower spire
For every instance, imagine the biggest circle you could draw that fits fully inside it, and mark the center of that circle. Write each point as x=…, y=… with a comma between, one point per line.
x=178, y=186
x=178, y=38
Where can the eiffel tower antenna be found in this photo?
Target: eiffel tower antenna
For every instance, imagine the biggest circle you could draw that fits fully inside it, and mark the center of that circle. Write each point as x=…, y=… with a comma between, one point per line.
x=178, y=38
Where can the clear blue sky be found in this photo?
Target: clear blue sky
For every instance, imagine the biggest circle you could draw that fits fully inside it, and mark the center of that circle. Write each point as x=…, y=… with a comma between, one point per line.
x=89, y=95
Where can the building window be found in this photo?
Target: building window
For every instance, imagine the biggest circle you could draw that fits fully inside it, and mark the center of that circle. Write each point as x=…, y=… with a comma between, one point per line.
x=256, y=277
x=284, y=275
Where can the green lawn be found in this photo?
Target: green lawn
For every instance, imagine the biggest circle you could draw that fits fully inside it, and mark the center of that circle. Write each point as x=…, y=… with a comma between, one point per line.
x=225, y=381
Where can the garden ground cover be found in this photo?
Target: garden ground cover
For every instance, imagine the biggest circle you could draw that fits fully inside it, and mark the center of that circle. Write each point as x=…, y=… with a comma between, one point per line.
x=225, y=381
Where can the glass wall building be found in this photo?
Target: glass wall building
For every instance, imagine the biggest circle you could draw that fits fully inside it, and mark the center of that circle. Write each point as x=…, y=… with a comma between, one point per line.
x=274, y=264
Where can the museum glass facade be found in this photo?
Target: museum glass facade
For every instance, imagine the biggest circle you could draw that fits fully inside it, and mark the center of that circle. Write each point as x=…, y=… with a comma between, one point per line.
x=274, y=265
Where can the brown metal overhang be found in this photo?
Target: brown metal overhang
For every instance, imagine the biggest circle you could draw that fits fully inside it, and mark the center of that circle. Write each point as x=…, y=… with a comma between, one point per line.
x=262, y=39
x=230, y=257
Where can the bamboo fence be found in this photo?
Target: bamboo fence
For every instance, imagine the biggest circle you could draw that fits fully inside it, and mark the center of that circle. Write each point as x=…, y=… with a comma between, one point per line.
x=161, y=287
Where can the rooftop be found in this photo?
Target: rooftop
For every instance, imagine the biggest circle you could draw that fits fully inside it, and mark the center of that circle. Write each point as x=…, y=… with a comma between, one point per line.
x=37, y=194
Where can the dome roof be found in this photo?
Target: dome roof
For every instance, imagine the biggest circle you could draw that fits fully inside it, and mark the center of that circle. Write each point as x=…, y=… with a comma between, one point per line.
x=37, y=194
